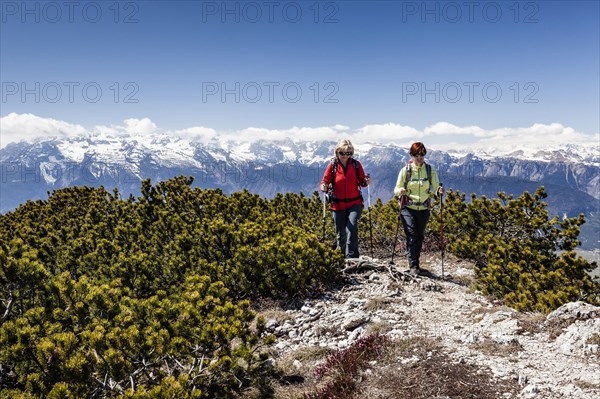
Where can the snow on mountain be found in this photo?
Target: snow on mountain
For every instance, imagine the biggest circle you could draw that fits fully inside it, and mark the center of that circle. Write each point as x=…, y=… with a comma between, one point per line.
x=118, y=149
x=130, y=151
x=588, y=154
x=267, y=167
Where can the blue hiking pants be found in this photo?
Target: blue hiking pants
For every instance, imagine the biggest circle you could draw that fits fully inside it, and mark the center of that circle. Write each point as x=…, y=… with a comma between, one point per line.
x=346, y=227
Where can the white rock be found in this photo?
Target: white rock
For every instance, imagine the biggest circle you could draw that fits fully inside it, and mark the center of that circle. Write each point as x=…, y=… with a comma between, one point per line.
x=560, y=368
x=281, y=345
x=354, y=322
x=356, y=302
x=409, y=360
x=271, y=324
x=357, y=333
x=575, y=310
x=523, y=379
x=288, y=324
x=472, y=338
x=530, y=391
x=574, y=339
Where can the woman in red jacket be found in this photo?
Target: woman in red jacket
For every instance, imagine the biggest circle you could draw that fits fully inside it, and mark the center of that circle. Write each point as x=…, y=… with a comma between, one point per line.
x=342, y=180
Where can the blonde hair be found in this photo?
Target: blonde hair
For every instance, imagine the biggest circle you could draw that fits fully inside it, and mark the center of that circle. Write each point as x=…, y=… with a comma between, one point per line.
x=343, y=144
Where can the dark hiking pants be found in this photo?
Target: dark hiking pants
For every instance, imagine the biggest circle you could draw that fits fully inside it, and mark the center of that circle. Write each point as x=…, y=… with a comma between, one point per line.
x=414, y=223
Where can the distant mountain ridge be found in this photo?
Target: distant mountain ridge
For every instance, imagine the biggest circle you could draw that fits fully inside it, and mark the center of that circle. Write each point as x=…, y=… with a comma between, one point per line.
x=31, y=169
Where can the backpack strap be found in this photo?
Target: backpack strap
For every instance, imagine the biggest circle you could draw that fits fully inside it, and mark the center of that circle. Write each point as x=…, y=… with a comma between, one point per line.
x=408, y=177
x=408, y=174
x=355, y=164
x=428, y=169
x=334, y=167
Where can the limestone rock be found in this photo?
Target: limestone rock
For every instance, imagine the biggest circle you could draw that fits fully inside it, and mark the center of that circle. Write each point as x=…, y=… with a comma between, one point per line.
x=575, y=311
x=471, y=329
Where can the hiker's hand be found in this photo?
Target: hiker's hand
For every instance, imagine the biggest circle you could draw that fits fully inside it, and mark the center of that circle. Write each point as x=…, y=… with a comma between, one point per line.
x=402, y=191
x=367, y=180
x=441, y=190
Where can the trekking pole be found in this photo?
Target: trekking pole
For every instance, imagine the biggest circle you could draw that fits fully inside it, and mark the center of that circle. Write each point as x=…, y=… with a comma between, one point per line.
x=370, y=220
x=397, y=229
x=442, y=227
x=324, y=214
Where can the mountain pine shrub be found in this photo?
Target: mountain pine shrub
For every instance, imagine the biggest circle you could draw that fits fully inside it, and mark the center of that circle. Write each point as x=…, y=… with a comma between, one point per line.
x=148, y=297
x=521, y=255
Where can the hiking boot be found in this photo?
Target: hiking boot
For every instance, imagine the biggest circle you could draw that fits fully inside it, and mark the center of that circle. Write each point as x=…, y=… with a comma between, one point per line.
x=414, y=271
x=425, y=273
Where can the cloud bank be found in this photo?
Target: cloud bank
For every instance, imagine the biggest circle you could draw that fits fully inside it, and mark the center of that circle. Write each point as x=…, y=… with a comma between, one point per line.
x=441, y=135
x=29, y=127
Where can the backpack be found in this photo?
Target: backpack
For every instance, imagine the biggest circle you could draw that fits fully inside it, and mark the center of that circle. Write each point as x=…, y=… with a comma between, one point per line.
x=405, y=200
x=330, y=197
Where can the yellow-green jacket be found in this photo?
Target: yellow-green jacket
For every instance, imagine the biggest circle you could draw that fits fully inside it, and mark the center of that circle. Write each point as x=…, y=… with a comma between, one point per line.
x=418, y=186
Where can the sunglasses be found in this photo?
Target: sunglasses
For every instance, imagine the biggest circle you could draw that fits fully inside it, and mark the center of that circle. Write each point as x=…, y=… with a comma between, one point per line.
x=345, y=153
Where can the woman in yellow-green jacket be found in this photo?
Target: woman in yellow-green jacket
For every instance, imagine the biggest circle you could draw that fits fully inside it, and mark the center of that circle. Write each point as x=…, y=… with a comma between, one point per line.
x=415, y=182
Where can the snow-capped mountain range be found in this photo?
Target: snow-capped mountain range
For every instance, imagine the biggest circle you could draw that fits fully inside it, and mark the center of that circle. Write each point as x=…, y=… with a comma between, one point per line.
x=266, y=167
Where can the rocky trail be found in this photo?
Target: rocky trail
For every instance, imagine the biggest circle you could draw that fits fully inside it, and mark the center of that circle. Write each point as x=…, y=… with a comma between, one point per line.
x=525, y=355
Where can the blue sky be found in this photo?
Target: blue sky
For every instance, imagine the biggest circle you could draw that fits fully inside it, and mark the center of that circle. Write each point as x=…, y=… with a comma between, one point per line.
x=275, y=65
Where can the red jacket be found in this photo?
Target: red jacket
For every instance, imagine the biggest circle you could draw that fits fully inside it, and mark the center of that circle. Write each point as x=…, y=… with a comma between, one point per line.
x=346, y=186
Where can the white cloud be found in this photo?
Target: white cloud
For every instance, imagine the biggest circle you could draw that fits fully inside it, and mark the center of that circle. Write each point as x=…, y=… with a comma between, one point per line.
x=445, y=128
x=198, y=133
x=294, y=133
x=108, y=130
x=17, y=127
x=527, y=141
x=388, y=133
x=441, y=135
x=131, y=126
x=538, y=135
x=140, y=126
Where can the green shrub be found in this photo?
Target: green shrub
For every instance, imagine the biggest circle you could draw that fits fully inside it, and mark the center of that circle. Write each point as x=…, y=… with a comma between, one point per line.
x=148, y=297
x=515, y=248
